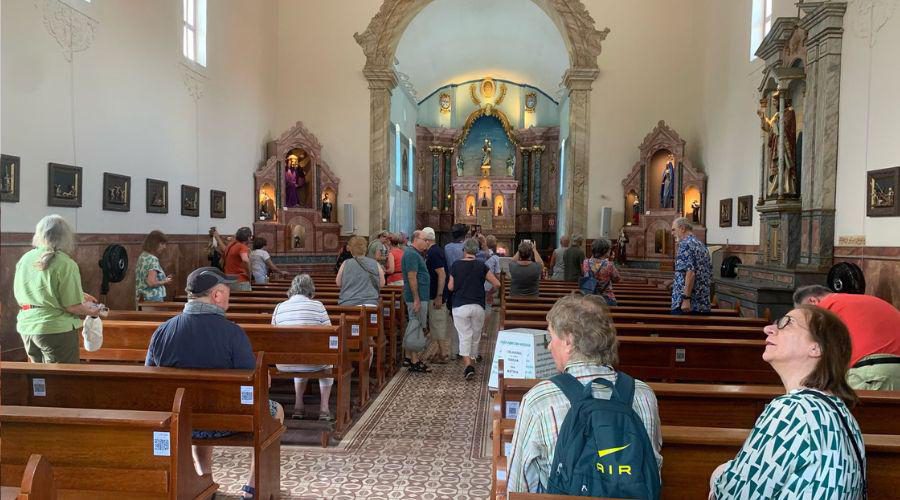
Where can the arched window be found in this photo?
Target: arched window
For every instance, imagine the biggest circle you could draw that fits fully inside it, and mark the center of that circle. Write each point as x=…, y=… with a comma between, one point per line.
x=194, y=31
x=760, y=24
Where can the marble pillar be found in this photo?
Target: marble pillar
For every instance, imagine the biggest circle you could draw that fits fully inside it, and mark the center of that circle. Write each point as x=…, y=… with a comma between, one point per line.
x=578, y=81
x=381, y=82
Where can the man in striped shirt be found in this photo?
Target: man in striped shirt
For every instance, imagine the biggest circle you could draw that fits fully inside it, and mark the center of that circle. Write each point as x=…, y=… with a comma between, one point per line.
x=583, y=343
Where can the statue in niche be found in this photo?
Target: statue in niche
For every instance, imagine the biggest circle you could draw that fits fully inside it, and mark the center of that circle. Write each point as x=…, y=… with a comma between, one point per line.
x=500, y=208
x=484, y=200
x=622, y=242
x=296, y=180
x=667, y=187
x=511, y=165
x=290, y=183
x=695, y=211
x=636, y=211
x=459, y=165
x=471, y=209
x=486, y=153
x=770, y=126
x=326, y=208
x=266, y=207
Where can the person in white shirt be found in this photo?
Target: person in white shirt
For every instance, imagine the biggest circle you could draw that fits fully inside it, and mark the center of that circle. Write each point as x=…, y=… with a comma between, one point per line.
x=261, y=262
x=300, y=310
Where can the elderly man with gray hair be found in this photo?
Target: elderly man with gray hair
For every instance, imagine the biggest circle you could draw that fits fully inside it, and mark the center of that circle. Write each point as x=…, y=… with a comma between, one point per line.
x=416, y=293
x=693, y=271
x=300, y=310
x=584, y=346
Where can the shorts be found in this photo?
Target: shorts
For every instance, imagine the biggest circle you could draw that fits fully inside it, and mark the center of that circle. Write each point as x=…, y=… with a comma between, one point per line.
x=201, y=434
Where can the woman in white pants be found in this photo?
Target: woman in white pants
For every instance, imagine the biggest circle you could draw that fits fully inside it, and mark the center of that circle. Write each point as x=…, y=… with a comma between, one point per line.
x=467, y=278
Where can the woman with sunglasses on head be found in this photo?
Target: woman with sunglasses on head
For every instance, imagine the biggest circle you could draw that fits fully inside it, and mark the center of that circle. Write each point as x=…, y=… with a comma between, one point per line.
x=806, y=444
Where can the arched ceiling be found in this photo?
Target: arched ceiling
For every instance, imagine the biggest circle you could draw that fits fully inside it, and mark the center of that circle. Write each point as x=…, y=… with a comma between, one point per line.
x=453, y=41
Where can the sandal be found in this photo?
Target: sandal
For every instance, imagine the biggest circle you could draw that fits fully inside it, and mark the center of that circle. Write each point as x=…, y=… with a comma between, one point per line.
x=250, y=492
x=298, y=415
x=326, y=417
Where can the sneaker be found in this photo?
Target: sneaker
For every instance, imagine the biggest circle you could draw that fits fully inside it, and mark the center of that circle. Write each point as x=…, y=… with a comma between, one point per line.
x=421, y=367
x=407, y=362
x=469, y=372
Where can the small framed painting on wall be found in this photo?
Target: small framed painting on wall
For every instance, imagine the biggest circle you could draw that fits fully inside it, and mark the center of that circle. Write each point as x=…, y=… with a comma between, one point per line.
x=217, y=204
x=157, y=197
x=725, y=212
x=116, y=192
x=190, y=201
x=63, y=185
x=10, y=169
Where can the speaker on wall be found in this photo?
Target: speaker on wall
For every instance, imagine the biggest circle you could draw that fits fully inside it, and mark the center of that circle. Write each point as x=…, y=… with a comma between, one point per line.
x=605, y=221
x=347, y=227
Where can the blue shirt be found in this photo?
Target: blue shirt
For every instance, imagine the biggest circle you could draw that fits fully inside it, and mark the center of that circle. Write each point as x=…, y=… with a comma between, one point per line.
x=413, y=262
x=692, y=256
x=201, y=337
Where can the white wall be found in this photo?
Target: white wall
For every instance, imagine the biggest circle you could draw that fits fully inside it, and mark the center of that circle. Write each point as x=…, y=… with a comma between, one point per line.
x=869, y=128
x=121, y=106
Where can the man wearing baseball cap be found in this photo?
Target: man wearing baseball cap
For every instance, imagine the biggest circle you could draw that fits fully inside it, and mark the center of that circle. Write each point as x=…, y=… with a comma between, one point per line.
x=201, y=337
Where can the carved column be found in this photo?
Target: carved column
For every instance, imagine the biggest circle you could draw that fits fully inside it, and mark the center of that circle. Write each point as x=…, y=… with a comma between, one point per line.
x=824, y=25
x=537, y=152
x=525, y=197
x=578, y=81
x=381, y=82
x=436, y=152
x=448, y=176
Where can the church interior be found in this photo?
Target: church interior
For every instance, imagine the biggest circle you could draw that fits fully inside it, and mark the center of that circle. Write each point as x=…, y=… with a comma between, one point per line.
x=769, y=125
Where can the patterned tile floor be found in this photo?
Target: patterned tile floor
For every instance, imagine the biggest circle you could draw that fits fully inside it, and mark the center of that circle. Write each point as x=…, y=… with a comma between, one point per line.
x=424, y=437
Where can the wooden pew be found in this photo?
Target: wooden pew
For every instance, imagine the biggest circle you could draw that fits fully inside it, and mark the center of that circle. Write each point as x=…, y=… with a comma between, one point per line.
x=106, y=454
x=540, y=314
x=127, y=341
x=685, y=330
x=228, y=400
x=37, y=482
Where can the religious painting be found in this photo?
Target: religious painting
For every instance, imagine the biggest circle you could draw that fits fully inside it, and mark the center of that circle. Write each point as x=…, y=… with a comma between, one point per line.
x=444, y=102
x=488, y=87
x=216, y=204
x=190, y=201
x=404, y=168
x=530, y=102
x=881, y=192
x=725, y=212
x=745, y=210
x=157, y=197
x=10, y=168
x=116, y=192
x=63, y=185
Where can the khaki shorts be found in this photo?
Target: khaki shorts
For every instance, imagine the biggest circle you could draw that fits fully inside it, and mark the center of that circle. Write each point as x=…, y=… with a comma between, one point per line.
x=52, y=347
x=437, y=322
x=884, y=377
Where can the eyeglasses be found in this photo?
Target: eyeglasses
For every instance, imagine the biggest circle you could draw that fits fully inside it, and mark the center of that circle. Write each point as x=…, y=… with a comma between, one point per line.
x=783, y=322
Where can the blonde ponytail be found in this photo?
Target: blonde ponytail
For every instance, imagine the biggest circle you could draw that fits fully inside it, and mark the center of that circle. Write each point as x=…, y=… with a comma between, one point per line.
x=44, y=261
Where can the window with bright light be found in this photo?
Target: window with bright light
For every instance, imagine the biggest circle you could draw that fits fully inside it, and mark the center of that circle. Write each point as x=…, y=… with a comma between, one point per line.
x=761, y=23
x=194, y=30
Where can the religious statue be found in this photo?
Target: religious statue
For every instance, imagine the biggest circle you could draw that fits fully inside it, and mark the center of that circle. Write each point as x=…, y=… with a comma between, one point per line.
x=484, y=201
x=695, y=211
x=459, y=165
x=770, y=126
x=486, y=153
x=471, y=209
x=266, y=207
x=296, y=182
x=500, y=208
x=636, y=211
x=622, y=242
x=667, y=187
x=326, y=209
x=290, y=183
x=511, y=165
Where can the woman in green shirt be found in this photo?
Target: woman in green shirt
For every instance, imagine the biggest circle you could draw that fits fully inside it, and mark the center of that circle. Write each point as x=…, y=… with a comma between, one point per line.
x=149, y=278
x=47, y=287
x=806, y=444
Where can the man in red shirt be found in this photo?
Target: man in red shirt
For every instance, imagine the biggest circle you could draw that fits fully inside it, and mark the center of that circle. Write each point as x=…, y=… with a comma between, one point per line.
x=874, y=327
x=236, y=258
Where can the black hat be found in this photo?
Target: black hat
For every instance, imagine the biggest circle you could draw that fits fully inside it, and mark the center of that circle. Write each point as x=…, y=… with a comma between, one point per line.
x=202, y=279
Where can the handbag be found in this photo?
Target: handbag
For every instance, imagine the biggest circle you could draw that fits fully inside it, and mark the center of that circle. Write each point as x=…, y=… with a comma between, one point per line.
x=588, y=283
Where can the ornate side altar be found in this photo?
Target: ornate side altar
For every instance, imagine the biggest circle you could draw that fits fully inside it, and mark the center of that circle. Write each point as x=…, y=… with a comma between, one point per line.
x=662, y=186
x=296, y=196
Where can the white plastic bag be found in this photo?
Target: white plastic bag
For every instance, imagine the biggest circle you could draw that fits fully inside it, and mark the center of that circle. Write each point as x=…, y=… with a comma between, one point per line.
x=93, y=333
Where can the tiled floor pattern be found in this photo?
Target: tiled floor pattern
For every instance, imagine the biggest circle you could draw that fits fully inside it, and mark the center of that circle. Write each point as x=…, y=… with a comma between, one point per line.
x=424, y=437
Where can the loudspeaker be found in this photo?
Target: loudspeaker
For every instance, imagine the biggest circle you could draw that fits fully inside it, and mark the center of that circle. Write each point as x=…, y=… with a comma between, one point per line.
x=348, y=226
x=605, y=221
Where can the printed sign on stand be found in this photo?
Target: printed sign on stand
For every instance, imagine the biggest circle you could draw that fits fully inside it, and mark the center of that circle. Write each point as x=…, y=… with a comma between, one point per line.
x=524, y=353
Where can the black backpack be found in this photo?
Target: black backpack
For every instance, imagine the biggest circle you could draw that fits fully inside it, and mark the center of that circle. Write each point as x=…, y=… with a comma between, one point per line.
x=603, y=449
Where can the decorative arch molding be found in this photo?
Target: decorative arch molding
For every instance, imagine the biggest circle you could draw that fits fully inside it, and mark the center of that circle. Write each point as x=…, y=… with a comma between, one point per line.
x=583, y=42
x=478, y=113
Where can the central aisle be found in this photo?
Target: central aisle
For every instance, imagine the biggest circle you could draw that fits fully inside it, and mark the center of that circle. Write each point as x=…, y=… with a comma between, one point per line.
x=424, y=437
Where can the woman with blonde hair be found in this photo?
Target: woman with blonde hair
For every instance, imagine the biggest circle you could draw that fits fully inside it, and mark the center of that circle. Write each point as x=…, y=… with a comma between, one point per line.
x=47, y=287
x=149, y=278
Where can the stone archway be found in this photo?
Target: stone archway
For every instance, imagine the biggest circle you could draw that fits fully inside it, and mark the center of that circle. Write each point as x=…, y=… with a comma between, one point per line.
x=583, y=41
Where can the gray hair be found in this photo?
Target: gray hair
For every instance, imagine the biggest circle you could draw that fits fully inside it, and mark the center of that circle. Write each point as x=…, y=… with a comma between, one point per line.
x=577, y=240
x=471, y=246
x=805, y=292
x=600, y=247
x=53, y=234
x=302, y=284
x=683, y=223
x=585, y=320
x=564, y=240
x=526, y=250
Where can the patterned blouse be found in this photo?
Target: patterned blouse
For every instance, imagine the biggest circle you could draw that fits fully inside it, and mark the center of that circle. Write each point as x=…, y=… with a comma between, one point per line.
x=797, y=449
x=148, y=263
x=692, y=256
x=541, y=414
x=604, y=272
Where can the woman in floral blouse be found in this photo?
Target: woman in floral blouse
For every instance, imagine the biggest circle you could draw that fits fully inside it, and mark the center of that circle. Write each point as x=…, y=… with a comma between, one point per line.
x=150, y=280
x=806, y=444
x=603, y=269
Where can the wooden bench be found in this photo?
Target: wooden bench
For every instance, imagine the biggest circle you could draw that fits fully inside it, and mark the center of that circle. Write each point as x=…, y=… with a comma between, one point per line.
x=127, y=341
x=539, y=313
x=685, y=330
x=228, y=400
x=106, y=454
x=37, y=482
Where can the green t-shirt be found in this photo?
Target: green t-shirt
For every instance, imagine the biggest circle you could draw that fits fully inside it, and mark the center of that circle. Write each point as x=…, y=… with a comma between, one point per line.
x=49, y=292
x=413, y=261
